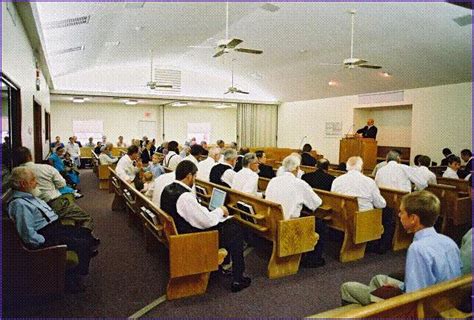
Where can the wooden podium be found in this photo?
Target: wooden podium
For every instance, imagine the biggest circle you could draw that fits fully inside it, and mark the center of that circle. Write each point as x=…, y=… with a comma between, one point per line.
x=366, y=148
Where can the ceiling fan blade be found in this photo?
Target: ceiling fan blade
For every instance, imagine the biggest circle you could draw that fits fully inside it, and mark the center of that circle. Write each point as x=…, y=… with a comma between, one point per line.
x=163, y=86
x=359, y=62
x=219, y=53
x=227, y=92
x=242, y=92
x=252, y=51
x=368, y=66
x=233, y=43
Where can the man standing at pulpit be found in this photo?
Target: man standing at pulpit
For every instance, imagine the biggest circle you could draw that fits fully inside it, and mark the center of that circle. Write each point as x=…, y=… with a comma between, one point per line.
x=369, y=131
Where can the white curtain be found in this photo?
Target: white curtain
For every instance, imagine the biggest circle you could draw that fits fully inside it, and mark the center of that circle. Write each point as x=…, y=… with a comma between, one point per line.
x=257, y=125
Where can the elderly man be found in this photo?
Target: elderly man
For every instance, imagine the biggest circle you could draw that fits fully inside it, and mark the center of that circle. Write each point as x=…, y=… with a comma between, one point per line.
x=205, y=166
x=399, y=176
x=282, y=169
x=128, y=167
x=223, y=173
x=246, y=180
x=369, y=131
x=39, y=227
x=106, y=156
x=74, y=150
x=292, y=194
x=51, y=186
x=431, y=258
x=320, y=179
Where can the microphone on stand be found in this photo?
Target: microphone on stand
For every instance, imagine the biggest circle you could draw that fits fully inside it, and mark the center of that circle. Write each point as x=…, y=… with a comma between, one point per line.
x=350, y=129
x=301, y=142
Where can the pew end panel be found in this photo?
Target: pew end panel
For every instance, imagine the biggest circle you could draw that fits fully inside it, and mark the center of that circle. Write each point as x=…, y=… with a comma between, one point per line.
x=103, y=174
x=367, y=226
x=118, y=203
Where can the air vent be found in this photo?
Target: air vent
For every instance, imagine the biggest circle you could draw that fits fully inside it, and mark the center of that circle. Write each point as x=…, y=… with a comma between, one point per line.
x=381, y=97
x=270, y=7
x=168, y=76
x=463, y=20
x=67, y=22
x=68, y=50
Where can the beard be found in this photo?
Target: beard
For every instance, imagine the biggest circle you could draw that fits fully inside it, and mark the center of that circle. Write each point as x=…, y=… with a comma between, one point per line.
x=36, y=192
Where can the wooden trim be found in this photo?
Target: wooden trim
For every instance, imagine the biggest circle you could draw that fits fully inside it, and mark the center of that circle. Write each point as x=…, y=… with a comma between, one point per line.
x=15, y=108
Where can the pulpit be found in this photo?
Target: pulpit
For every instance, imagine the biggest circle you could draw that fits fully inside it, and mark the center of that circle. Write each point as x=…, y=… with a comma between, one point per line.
x=366, y=148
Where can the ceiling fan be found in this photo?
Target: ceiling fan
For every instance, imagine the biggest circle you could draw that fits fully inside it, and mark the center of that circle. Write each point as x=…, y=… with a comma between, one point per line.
x=351, y=63
x=226, y=45
x=153, y=84
x=232, y=88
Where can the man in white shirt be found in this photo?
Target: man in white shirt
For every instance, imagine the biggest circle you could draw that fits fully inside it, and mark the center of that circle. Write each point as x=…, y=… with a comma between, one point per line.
x=355, y=184
x=282, y=169
x=73, y=149
x=128, y=167
x=189, y=216
x=246, y=180
x=292, y=194
x=423, y=171
x=223, y=173
x=160, y=184
x=454, y=163
x=205, y=166
x=172, y=158
x=398, y=176
x=194, y=154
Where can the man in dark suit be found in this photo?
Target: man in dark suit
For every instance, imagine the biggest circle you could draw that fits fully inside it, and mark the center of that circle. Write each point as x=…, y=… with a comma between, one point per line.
x=369, y=131
x=242, y=152
x=265, y=171
x=306, y=158
x=446, y=153
x=320, y=179
x=466, y=155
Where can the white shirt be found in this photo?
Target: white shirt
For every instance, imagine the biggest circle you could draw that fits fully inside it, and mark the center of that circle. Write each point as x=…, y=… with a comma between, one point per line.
x=292, y=193
x=399, y=176
x=125, y=168
x=228, y=175
x=172, y=160
x=355, y=184
x=49, y=180
x=450, y=173
x=204, y=168
x=160, y=184
x=426, y=174
x=282, y=170
x=378, y=166
x=192, y=159
x=246, y=181
x=195, y=214
x=106, y=159
x=73, y=149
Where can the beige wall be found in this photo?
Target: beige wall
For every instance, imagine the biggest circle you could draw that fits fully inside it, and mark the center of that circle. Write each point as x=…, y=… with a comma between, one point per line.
x=441, y=117
x=18, y=63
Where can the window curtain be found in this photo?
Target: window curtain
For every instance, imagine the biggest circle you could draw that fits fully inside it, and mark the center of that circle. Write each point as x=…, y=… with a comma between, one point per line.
x=257, y=125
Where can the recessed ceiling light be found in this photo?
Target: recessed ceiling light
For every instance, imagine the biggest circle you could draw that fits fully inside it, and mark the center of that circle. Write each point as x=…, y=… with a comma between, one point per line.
x=332, y=83
x=386, y=74
x=179, y=104
x=111, y=43
x=131, y=102
x=138, y=28
x=78, y=100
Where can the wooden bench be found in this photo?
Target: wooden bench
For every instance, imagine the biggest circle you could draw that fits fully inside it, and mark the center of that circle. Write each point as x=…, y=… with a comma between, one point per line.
x=342, y=213
x=101, y=171
x=442, y=300
x=86, y=155
x=438, y=170
x=383, y=150
x=401, y=239
x=192, y=256
x=290, y=238
x=456, y=211
x=463, y=187
x=278, y=154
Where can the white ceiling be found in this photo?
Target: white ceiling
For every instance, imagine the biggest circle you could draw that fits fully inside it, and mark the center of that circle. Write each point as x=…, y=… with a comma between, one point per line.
x=418, y=43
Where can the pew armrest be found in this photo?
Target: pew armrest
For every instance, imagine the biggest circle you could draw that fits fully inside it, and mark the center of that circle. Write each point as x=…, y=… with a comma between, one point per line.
x=193, y=253
x=367, y=225
x=296, y=236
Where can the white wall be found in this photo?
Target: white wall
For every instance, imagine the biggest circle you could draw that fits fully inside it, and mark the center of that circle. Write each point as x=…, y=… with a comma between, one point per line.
x=118, y=119
x=441, y=117
x=18, y=63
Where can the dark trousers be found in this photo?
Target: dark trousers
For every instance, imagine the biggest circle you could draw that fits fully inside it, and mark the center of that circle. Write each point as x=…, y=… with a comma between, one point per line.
x=76, y=239
x=231, y=238
x=317, y=254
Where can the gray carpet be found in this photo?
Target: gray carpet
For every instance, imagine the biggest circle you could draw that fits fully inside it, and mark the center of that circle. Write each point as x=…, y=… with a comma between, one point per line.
x=125, y=278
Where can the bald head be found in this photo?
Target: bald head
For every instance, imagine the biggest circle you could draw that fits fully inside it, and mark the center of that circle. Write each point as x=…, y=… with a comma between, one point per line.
x=354, y=163
x=370, y=122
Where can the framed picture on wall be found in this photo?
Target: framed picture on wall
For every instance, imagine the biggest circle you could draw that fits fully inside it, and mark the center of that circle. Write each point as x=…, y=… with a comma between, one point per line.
x=333, y=129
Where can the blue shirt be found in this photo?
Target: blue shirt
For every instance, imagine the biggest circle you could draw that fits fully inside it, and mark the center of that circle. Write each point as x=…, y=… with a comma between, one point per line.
x=57, y=162
x=26, y=210
x=156, y=169
x=432, y=258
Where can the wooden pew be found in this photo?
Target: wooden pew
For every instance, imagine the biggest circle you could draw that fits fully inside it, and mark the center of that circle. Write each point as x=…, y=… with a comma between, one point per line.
x=95, y=162
x=278, y=154
x=86, y=155
x=118, y=151
x=462, y=186
x=442, y=300
x=401, y=239
x=342, y=213
x=290, y=238
x=192, y=256
x=438, y=170
x=103, y=174
x=455, y=210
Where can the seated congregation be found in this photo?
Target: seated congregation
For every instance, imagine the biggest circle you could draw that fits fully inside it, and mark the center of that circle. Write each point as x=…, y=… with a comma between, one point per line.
x=297, y=202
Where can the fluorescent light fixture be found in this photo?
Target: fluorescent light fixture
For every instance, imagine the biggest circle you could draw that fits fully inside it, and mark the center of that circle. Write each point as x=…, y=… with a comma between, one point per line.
x=131, y=102
x=78, y=100
x=111, y=43
x=138, y=28
x=179, y=104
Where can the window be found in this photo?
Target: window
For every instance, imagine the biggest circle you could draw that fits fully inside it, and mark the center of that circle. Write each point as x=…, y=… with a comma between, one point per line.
x=84, y=129
x=200, y=131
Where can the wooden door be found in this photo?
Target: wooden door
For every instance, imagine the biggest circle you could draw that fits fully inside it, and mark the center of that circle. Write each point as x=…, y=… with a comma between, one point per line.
x=37, y=132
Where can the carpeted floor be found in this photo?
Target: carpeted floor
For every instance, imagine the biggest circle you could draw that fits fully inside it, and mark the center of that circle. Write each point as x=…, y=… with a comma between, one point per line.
x=125, y=278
